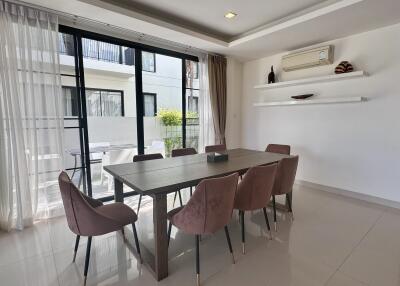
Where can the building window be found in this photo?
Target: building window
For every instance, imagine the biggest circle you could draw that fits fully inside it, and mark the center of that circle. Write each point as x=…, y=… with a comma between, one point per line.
x=148, y=62
x=195, y=70
x=70, y=101
x=192, y=71
x=193, y=104
x=99, y=102
x=192, y=89
x=150, y=104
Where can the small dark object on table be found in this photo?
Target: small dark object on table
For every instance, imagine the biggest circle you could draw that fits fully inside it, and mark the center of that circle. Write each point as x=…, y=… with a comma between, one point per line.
x=217, y=157
x=302, y=96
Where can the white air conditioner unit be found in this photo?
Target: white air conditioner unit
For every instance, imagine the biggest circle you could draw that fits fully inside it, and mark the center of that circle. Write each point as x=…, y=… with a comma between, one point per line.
x=308, y=58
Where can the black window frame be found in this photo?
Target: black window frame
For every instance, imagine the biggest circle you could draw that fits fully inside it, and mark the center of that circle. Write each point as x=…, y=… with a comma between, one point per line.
x=77, y=35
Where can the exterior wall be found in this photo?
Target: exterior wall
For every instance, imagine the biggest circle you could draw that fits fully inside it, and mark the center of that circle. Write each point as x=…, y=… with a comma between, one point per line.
x=353, y=147
x=166, y=82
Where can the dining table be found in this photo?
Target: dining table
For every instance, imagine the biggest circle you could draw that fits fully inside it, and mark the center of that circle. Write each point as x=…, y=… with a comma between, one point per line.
x=158, y=178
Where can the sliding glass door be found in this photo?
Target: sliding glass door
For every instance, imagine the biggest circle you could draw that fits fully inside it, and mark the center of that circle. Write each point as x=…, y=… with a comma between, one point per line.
x=74, y=156
x=121, y=99
x=110, y=99
x=162, y=98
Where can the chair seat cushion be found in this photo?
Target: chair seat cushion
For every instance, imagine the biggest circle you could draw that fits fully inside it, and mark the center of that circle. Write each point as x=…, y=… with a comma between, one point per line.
x=118, y=212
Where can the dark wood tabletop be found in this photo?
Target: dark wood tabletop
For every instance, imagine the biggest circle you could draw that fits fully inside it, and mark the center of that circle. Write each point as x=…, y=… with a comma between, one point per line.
x=170, y=174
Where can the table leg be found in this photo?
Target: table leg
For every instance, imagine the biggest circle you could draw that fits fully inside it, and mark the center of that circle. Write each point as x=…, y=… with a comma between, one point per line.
x=118, y=191
x=160, y=236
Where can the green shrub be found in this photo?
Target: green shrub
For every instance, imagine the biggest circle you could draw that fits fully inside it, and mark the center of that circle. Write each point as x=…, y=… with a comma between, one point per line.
x=171, y=117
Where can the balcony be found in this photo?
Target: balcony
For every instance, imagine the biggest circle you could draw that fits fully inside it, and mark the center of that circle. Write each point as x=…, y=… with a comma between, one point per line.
x=99, y=51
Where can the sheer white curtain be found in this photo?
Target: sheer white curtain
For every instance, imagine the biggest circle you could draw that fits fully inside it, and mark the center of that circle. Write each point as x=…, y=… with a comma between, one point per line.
x=31, y=115
x=206, y=136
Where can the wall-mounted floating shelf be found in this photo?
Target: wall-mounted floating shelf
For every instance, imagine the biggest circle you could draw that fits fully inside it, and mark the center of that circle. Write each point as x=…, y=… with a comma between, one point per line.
x=312, y=101
x=327, y=78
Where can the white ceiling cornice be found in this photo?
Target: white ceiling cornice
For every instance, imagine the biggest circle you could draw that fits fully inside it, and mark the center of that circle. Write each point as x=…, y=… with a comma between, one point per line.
x=310, y=13
x=326, y=21
x=292, y=20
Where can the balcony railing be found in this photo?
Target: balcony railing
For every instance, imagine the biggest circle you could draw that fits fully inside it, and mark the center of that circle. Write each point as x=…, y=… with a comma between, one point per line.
x=97, y=50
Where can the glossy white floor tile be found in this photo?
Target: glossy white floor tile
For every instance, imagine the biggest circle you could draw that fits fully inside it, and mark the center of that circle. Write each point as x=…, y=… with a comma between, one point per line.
x=333, y=241
x=376, y=260
x=34, y=271
x=19, y=245
x=340, y=279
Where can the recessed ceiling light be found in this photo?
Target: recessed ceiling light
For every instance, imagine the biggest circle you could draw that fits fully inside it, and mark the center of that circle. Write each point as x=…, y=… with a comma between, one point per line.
x=230, y=15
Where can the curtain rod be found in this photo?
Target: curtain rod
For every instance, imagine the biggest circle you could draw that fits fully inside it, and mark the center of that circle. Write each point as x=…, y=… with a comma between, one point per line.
x=85, y=23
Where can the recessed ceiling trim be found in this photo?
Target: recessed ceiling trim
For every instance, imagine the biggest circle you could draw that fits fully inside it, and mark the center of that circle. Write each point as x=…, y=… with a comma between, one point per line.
x=318, y=23
x=148, y=20
x=292, y=20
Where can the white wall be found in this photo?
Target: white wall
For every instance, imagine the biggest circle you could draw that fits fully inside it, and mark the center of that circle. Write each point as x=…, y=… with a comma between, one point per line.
x=353, y=146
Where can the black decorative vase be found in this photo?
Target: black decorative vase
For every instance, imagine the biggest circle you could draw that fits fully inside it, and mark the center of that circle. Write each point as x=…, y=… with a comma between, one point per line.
x=271, y=76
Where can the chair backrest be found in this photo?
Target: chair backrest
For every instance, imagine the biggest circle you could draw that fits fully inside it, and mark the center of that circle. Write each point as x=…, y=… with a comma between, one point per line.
x=183, y=152
x=82, y=212
x=285, y=175
x=215, y=148
x=255, y=189
x=73, y=201
x=278, y=148
x=210, y=208
x=147, y=157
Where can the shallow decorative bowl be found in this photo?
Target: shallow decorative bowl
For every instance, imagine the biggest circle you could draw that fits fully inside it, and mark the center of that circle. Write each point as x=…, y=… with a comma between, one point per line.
x=302, y=96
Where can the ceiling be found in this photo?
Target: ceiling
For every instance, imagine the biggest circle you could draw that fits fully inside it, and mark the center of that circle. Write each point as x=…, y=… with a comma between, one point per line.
x=262, y=27
x=207, y=16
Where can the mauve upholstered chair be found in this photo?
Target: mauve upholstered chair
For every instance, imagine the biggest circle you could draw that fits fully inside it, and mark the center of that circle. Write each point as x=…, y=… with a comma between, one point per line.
x=254, y=193
x=280, y=149
x=89, y=217
x=183, y=152
x=215, y=148
x=178, y=153
x=284, y=180
x=207, y=211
